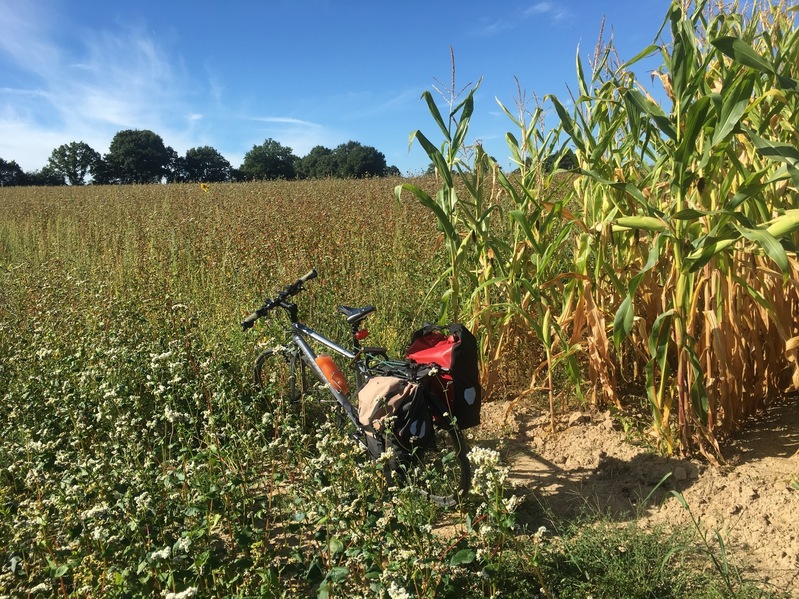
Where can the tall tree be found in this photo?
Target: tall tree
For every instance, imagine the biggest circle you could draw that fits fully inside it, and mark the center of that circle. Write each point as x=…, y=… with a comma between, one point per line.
x=11, y=174
x=205, y=164
x=46, y=177
x=136, y=156
x=356, y=160
x=319, y=163
x=270, y=160
x=73, y=161
x=176, y=168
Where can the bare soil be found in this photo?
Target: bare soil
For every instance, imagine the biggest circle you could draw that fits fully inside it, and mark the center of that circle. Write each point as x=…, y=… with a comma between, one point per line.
x=591, y=464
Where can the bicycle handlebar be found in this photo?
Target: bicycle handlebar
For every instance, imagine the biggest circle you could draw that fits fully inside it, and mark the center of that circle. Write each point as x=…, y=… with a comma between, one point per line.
x=278, y=300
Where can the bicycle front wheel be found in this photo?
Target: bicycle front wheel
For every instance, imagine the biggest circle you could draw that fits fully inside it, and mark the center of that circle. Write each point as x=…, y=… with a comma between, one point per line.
x=276, y=372
x=284, y=378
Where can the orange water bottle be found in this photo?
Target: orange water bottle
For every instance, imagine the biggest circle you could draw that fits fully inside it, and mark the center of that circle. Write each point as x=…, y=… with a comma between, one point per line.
x=333, y=374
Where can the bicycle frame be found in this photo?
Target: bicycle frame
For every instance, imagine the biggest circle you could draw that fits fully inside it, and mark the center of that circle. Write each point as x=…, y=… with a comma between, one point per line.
x=299, y=333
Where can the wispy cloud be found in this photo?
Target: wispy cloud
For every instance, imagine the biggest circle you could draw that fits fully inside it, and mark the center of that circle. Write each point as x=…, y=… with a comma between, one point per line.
x=284, y=120
x=301, y=135
x=540, y=10
x=87, y=90
x=549, y=9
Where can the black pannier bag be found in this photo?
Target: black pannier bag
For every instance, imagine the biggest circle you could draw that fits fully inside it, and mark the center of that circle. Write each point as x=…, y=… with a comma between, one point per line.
x=395, y=414
x=454, y=350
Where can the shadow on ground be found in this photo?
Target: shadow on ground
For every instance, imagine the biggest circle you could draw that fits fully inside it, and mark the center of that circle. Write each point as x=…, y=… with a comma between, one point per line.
x=593, y=467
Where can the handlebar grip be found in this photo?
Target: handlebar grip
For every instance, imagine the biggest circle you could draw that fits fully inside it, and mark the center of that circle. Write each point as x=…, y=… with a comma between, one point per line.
x=312, y=274
x=249, y=321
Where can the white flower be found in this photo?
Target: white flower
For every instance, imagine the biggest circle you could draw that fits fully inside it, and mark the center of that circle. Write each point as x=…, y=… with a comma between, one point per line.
x=182, y=544
x=173, y=416
x=143, y=501
x=162, y=554
x=189, y=592
x=160, y=357
x=97, y=510
x=512, y=502
x=539, y=535
x=397, y=592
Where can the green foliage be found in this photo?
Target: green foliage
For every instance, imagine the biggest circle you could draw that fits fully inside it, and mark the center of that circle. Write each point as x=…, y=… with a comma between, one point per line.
x=351, y=160
x=271, y=160
x=665, y=229
x=319, y=163
x=134, y=156
x=356, y=161
x=11, y=174
x=73, y=162
x=602, y=559
x=141, y=157
x=700, y=182
x=42, y=178
x=203, y=165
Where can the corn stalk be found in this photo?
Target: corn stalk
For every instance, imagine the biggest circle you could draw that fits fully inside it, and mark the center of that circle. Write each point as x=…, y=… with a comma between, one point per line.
x=702, y=197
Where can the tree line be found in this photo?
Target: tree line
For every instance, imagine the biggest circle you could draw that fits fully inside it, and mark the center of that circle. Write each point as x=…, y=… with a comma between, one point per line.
x=140, y=157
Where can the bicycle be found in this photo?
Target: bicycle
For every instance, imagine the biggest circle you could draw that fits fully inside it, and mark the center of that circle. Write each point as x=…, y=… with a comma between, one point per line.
x=445, y=466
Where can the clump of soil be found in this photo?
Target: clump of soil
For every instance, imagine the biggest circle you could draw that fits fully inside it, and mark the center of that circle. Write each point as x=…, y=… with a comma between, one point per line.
x=590, y=464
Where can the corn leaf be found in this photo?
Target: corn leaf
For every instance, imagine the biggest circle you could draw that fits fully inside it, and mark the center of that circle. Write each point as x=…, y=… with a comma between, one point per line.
x=429, y=203
x=568, y=123
x=645, y=53
x=695, y=120
x=645, y=223
x=520, y=217
x=770, y=245
x=628, y=188
x=436, y=157
x=709, y=248
x=778, y=152
x=581, y=74
x=463, y=123
x=653, y=111
x=733, y=106
x=741, y=52
x=623, y=321
x=699, y=397
x=431, y=106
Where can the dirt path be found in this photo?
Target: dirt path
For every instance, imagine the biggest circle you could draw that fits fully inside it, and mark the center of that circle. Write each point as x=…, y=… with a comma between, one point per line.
x=591, y=464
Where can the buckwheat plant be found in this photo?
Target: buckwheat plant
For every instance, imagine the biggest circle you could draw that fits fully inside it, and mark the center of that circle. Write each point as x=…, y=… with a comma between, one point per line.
x=493, y=525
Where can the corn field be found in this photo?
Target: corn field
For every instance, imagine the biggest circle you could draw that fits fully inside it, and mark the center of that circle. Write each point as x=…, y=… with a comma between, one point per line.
x=666, y=260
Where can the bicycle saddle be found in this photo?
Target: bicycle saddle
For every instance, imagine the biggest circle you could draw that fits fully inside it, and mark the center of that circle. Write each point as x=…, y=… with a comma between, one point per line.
x=355, y=315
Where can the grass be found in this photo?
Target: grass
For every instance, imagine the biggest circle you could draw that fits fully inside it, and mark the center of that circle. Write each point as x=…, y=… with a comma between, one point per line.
x=606, y=559
x=138, y=460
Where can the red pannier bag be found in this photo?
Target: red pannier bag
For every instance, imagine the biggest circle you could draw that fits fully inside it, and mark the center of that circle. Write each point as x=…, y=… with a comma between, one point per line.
x=454, y=350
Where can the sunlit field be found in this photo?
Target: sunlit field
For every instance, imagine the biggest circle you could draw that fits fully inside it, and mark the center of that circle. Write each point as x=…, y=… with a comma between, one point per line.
x=130, y=424
x=137, y=459
x=655, y=267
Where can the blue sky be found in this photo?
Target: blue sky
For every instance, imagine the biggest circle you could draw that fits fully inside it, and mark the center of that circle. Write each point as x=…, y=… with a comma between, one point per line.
x=302, y=72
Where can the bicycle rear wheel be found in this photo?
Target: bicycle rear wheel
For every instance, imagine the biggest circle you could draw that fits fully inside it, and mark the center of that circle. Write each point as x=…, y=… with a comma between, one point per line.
x=444, y=471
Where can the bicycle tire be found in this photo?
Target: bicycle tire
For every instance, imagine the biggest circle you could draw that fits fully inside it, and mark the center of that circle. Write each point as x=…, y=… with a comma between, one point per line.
x=282, y=372
x=444, y=470
x=278, y=374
